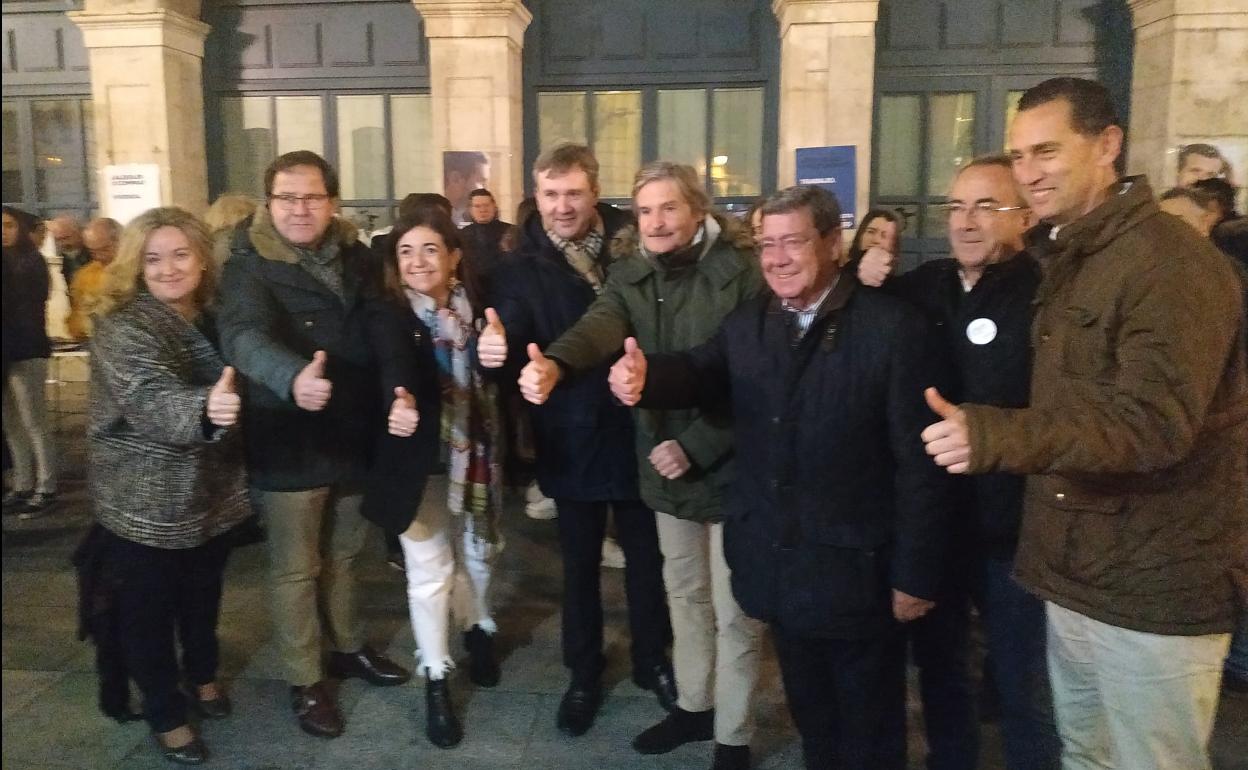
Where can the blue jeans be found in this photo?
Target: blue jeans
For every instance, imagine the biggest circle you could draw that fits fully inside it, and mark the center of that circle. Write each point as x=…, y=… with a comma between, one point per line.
x=1014, y=627
x=1237, y=659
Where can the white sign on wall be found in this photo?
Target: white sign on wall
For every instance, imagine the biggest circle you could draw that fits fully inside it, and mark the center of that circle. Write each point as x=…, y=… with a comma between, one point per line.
x=130, y=189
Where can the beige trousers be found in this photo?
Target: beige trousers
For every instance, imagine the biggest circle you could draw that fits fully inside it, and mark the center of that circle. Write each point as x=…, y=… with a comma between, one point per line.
x=314, y=537
x=715, y=646
x=1132, y=700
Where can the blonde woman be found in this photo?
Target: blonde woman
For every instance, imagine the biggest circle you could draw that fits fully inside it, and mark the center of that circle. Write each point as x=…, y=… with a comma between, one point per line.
x=165, y=468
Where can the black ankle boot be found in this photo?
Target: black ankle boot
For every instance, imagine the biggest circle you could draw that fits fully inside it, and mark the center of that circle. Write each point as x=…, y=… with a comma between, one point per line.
x=441, y=725
x=482, y=667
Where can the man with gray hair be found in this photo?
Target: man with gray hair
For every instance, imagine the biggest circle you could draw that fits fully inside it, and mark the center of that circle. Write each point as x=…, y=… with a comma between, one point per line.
x=835, y=530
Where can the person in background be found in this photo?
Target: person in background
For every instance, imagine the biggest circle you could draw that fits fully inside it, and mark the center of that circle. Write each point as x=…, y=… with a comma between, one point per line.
x=1230, y=230
x=1193, y=205
x=27, y=432
x=165, y=473
x=483, y=236
x=880, y=231
x=1201, y=161
x=100, y=238
x=222, y=217
x=450, y=544
x=67, y=232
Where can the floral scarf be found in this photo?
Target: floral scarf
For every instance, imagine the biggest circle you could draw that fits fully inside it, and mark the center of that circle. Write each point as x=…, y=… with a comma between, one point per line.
x=470, y=428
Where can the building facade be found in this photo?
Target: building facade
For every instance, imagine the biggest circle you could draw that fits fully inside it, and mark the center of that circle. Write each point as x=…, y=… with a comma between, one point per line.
x=412, y=95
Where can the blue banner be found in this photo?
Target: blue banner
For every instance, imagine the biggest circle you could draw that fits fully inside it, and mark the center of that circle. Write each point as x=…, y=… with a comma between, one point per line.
x=835, y=170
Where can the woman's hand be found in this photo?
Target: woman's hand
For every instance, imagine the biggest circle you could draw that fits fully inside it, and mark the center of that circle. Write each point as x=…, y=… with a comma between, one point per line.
x=224, y=405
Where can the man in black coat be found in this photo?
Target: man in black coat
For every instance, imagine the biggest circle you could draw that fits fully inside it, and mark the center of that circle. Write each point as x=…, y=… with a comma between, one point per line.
x=834, y=530
x=294, y=323
x=585, y=456
x=980, y=305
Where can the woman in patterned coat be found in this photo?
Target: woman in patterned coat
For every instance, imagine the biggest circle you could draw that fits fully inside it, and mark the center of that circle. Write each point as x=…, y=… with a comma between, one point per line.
x=165, y=467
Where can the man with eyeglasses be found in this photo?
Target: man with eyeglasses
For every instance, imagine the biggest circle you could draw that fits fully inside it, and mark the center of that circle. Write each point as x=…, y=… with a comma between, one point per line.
x=979, y=302
x=834, y=529
x=294, y=297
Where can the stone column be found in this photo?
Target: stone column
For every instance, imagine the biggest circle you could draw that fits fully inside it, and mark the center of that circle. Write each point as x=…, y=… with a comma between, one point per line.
x=827, y=81
x=475, y=86
x=147, y=90
x=1190, y=84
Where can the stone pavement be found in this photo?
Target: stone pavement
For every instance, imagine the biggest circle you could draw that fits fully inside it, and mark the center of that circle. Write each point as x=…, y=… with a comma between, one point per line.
x=50, y=718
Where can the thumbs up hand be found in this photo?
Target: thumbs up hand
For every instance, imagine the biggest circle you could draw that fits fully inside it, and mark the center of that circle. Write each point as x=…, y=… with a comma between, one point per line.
x=492, y=344
x=310, y=389
x=538, y=377
x=628, y=375
x=876, y=266
x=223, y=405
x=403, y=415
x=947, y=441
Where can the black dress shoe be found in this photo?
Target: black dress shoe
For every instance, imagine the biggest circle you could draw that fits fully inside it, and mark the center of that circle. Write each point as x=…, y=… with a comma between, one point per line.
x=192, y=753
x=482, y=667
x=369, y=665
x=214, y=708
x=676, y=729
x=441, y=725
x=660, y=680
x=316, y=710
x=731, y=757
x=579, y=707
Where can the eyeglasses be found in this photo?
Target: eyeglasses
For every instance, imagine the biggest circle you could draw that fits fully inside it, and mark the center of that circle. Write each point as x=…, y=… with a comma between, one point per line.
x=290, y=202
x=791, y=244
x=981, y=208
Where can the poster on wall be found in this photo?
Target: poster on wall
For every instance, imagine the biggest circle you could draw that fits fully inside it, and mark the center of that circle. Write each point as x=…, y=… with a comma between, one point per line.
x=130, y=189
x=835, y=170
x=462, y=172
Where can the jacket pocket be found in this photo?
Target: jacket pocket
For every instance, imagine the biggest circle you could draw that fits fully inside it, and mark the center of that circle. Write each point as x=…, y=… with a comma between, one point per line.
x=1085, y=346
x=1065, y=495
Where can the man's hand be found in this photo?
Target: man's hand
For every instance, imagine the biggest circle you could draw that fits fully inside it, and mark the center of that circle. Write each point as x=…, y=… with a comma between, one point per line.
x=876, y=266
x=223, y=405
x=907, y=608
x=670, y=460
x=628, y=375
x=538, y=377
x=310, y=388
x=947, y=441
x=492, y=343
x=403, y=415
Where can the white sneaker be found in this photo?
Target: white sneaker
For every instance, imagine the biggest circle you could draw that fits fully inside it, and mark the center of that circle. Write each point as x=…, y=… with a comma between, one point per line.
x=533, y=493
x=612, y=554
x=543, y=509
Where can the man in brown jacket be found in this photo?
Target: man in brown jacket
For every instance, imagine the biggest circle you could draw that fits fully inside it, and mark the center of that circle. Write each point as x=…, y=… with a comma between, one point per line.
x=1135, y=529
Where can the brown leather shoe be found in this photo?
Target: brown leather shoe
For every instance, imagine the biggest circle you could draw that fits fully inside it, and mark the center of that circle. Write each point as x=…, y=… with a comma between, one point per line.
x=316, y=710
x=369, y=665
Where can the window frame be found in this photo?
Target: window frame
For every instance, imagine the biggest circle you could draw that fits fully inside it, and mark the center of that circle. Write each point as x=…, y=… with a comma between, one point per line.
x=84, y=207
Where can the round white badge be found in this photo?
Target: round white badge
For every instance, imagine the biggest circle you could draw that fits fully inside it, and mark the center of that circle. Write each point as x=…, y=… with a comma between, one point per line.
x=981, y=331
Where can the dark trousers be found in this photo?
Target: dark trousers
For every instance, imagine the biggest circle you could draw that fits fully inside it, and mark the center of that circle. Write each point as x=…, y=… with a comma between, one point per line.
x=164, y=592
x=582, y=526
x=1014, y=625
x=847, y=698
x=940, y=644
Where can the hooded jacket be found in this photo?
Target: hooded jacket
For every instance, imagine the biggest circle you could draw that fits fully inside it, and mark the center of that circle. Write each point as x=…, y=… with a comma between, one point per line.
x=668, y=310
x=1137, y=435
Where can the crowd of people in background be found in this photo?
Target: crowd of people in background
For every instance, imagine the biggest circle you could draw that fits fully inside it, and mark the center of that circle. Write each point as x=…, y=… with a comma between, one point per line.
x=784, y=434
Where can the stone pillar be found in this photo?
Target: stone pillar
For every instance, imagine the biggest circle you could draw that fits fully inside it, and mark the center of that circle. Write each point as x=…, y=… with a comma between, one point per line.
x=147, y=89
x=475, y=86
x=827, y=81
x=1190, y=84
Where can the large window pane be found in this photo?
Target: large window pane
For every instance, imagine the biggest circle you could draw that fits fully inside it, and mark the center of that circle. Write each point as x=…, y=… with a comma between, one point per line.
x=682, y=127
x=299, y=124
x=560, y=118
x=899, y=143
x=411, y=132
x=951, y=138
x=12, y=164
x=60, y=168
x=248, y=143
x=737, y=146
x=617, y=140
x=362, y=147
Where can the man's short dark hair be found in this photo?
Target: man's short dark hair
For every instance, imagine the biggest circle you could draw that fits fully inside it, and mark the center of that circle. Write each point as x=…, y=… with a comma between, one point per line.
x=1222, y=192
x=415, y=204
x=568, y=157
x=480, y=192
x=1203, y=150
x=302, y=158
x=1091, y=107
x=822, y=205
x=1201, y=198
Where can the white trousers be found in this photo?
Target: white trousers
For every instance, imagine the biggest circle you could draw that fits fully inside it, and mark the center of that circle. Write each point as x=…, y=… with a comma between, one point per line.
x=26, y=426
x=1132, y=700
x=448, y=571
x=715, y=646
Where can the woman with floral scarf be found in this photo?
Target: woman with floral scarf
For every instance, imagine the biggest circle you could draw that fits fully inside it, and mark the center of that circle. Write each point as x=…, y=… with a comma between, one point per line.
x=451, y=543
